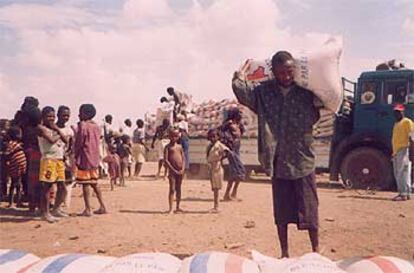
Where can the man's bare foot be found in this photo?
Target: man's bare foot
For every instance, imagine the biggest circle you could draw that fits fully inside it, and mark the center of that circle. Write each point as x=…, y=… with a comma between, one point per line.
x=49, y=218
x=178, y=210
x=86, y=213
x=170, y=211
x=234, y=197
x=100, y=211
x=284, y=255
x=11, y=206
x=214, y=210
x=59, y=213
x=227, y=199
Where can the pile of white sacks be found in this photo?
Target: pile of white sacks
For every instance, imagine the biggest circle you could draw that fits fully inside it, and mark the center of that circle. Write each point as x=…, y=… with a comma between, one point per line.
x=13, y=261
x=211, y=114
x=207, y=115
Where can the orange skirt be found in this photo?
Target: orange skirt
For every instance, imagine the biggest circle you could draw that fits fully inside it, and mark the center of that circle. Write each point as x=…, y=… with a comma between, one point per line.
x=87, y=176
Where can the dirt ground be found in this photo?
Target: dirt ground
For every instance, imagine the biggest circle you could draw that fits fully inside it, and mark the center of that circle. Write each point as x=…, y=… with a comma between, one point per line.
x=352, y=223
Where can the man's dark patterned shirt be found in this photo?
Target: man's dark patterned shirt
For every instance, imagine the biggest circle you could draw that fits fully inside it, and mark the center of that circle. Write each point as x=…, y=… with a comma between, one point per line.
x=290, y=119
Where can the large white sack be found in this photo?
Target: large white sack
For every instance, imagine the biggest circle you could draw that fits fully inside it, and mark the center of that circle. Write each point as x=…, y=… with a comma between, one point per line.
x=308, y=263
x=70, y=263
x=377, y=264
x=12, y=261
x=144, y=263
x=316, y=70
x=218, y=262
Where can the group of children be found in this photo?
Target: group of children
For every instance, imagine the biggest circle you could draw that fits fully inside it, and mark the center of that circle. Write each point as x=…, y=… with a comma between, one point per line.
x=174, y=160
x=42, y=154
x=121, y=150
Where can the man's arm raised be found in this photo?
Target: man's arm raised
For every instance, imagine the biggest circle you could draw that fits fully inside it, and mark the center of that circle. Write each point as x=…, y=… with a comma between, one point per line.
x=242, y=89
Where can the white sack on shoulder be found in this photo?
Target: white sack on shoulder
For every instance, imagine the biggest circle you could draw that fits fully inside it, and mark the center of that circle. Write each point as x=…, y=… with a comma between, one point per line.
x=316, y=70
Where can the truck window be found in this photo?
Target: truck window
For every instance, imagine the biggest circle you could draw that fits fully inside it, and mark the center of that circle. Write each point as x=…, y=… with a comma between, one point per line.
x=395, y=92
x=369, y=89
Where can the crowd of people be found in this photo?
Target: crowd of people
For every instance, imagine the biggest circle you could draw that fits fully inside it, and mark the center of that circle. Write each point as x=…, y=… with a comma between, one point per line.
x=43, y=158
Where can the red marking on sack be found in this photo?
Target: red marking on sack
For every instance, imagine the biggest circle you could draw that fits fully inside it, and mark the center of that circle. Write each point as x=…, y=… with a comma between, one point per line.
x=385, y=265
x=24, y=269
x=259, y=73
x=234, y=264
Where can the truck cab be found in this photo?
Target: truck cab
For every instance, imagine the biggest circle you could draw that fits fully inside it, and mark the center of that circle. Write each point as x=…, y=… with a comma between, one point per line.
x=361, y=146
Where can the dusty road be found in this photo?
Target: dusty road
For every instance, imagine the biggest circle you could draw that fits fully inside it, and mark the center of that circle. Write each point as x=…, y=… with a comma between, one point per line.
x=351, y=224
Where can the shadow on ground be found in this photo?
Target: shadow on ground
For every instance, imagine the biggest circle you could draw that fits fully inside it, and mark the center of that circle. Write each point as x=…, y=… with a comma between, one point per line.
x=164, y=211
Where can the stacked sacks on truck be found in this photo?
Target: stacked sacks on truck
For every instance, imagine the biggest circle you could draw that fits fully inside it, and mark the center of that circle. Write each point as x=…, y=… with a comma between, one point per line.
x=325, y=125
x=144, y=263
x=70, y=263
x=210, y=114
x=308, y=263
x=13, y=261
x=218, y=262
x=376, y=264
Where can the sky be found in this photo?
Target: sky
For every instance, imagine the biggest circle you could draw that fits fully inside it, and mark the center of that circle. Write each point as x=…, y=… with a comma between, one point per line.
x=121, y=55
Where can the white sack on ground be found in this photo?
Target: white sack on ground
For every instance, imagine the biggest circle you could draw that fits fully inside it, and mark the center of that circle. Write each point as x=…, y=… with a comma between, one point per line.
x=144, y=263
x=14, y=260
x=308, y=263
x=71, y=263
x=377, y=264
x=218, y=262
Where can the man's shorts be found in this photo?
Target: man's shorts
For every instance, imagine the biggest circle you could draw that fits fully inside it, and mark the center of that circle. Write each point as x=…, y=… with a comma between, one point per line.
x=87, y=176
x=52, y=170
x=138, y=152
x=296, y=201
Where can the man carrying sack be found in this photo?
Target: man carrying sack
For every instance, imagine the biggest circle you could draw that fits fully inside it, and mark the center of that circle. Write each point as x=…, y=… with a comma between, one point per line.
x=290, y=112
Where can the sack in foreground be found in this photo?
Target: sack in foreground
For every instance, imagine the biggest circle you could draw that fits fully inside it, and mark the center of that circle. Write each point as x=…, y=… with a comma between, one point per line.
x=218, y=262
x=376, y=264
x=308, y=263
x=144, y=263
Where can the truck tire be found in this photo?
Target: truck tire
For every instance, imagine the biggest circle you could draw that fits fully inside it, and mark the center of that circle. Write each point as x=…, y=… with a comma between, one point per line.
x=367, y=167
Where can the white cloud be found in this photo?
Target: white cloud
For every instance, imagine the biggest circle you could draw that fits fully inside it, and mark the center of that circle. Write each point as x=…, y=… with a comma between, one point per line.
x=408, y=26
x=124, y=61
x=141, y=10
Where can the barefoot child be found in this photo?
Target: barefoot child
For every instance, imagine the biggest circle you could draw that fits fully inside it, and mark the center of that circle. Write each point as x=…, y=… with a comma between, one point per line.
x=63, y=115
x=216, y=151
x=138, y=147
x=52, y=143
x=113, y=161
x=16, y=163
x=232, y=131
x=87, y=157
x=124, y=151
x=175, y=162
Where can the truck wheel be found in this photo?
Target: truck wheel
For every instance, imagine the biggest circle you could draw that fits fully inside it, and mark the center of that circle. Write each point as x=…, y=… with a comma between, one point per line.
x=366, y=167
